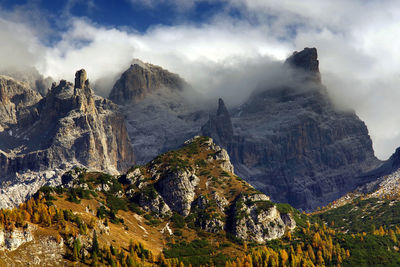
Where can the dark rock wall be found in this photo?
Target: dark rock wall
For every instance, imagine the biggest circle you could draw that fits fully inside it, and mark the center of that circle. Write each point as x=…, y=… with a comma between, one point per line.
x=293, y=145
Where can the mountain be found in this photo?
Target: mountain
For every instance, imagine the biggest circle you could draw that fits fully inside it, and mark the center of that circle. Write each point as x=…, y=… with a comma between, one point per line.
x=142, y=79
x=287, y=140
x=291, y=142
x=385, y=184
x=30, y=76
x=186, y=195
x=186, y=207
x=42, y=137
x=158, y=112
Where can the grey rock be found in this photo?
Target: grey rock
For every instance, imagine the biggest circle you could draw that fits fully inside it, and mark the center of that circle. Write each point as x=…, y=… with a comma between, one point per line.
x=70, y=126
x=221, y=201
x=134, y=177
x=223, y=157
x=159, y=115
x=16, y=98
x=178, y=190
x=80, y=79
x=294, y=145
x=307, y=59
x=11, y=240
x=259, y=220
x=31, y=77
x=142, y=79
x=153, y=202
x=219, y=125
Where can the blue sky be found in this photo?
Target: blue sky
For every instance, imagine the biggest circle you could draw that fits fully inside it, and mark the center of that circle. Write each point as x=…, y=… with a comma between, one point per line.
x=137, y=15
x=222, y=47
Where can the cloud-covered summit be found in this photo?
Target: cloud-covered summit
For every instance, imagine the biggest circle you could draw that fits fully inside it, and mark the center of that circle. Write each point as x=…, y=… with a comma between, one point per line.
x=223, y=52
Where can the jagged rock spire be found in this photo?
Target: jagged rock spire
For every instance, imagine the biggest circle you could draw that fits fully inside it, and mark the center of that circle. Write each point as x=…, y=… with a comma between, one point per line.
x=80, y=79
x=219, y=126
x=222, y=110
x=307, y=60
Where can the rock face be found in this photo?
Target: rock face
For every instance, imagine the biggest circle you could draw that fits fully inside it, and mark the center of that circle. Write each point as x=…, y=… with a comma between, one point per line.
x=12, y=239
x=219, y=125
x=142, y=79
x=288, y=141
x=292, y=144
x=70, y=126
x=257, y=219
x=385, y=182
x=159, y=116
x=197, y=182
x=30, y=77
x=15, y=97
x=178, y=190
x=306, y=60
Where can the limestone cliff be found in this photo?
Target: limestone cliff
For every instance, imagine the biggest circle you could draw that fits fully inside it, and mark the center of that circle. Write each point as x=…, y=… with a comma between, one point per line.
x=69, y=126
x=159, y=116
x=15, y=97
x=292, y=144
x=142, y=79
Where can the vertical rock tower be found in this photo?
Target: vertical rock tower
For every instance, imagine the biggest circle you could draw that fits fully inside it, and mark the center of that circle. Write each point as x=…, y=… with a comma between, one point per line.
x=292, y=144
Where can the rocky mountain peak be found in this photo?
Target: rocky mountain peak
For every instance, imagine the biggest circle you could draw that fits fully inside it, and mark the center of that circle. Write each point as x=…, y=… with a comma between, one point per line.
x=222, y=110
x=292, y=144
x=30, y=76
x=307, y=60
x=197, y=181
x=142, y=79
x=81, y=79
x=219, y=126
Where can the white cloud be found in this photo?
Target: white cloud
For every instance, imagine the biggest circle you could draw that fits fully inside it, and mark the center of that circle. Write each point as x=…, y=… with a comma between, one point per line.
x=357, y=43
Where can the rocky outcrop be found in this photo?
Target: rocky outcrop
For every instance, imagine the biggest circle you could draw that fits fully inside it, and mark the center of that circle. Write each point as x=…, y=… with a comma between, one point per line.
x=158, y=113
x=12, y=239
x=31, y=77
x=70, y=126
x=198, y=183
x=212, y=223
x=306, y=61
x=142, y=79
x=15, y=99
x=291, y=142
x=257, y=219
x=178, y=190
x=150, y=200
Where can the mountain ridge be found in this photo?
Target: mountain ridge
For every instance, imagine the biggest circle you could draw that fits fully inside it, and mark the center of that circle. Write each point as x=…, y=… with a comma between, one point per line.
x=69, y=126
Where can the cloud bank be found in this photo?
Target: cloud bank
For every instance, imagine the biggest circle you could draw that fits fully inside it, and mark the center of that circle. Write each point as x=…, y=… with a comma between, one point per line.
x=235, y=49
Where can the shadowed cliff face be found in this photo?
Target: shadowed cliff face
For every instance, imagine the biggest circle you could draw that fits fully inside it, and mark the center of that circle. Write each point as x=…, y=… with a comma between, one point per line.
x=70, y=126
x=219, y=125
x=291, y=143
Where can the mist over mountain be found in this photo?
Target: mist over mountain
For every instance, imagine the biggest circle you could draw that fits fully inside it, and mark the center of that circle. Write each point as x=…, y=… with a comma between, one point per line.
x=220, y=55
x=199, y=133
